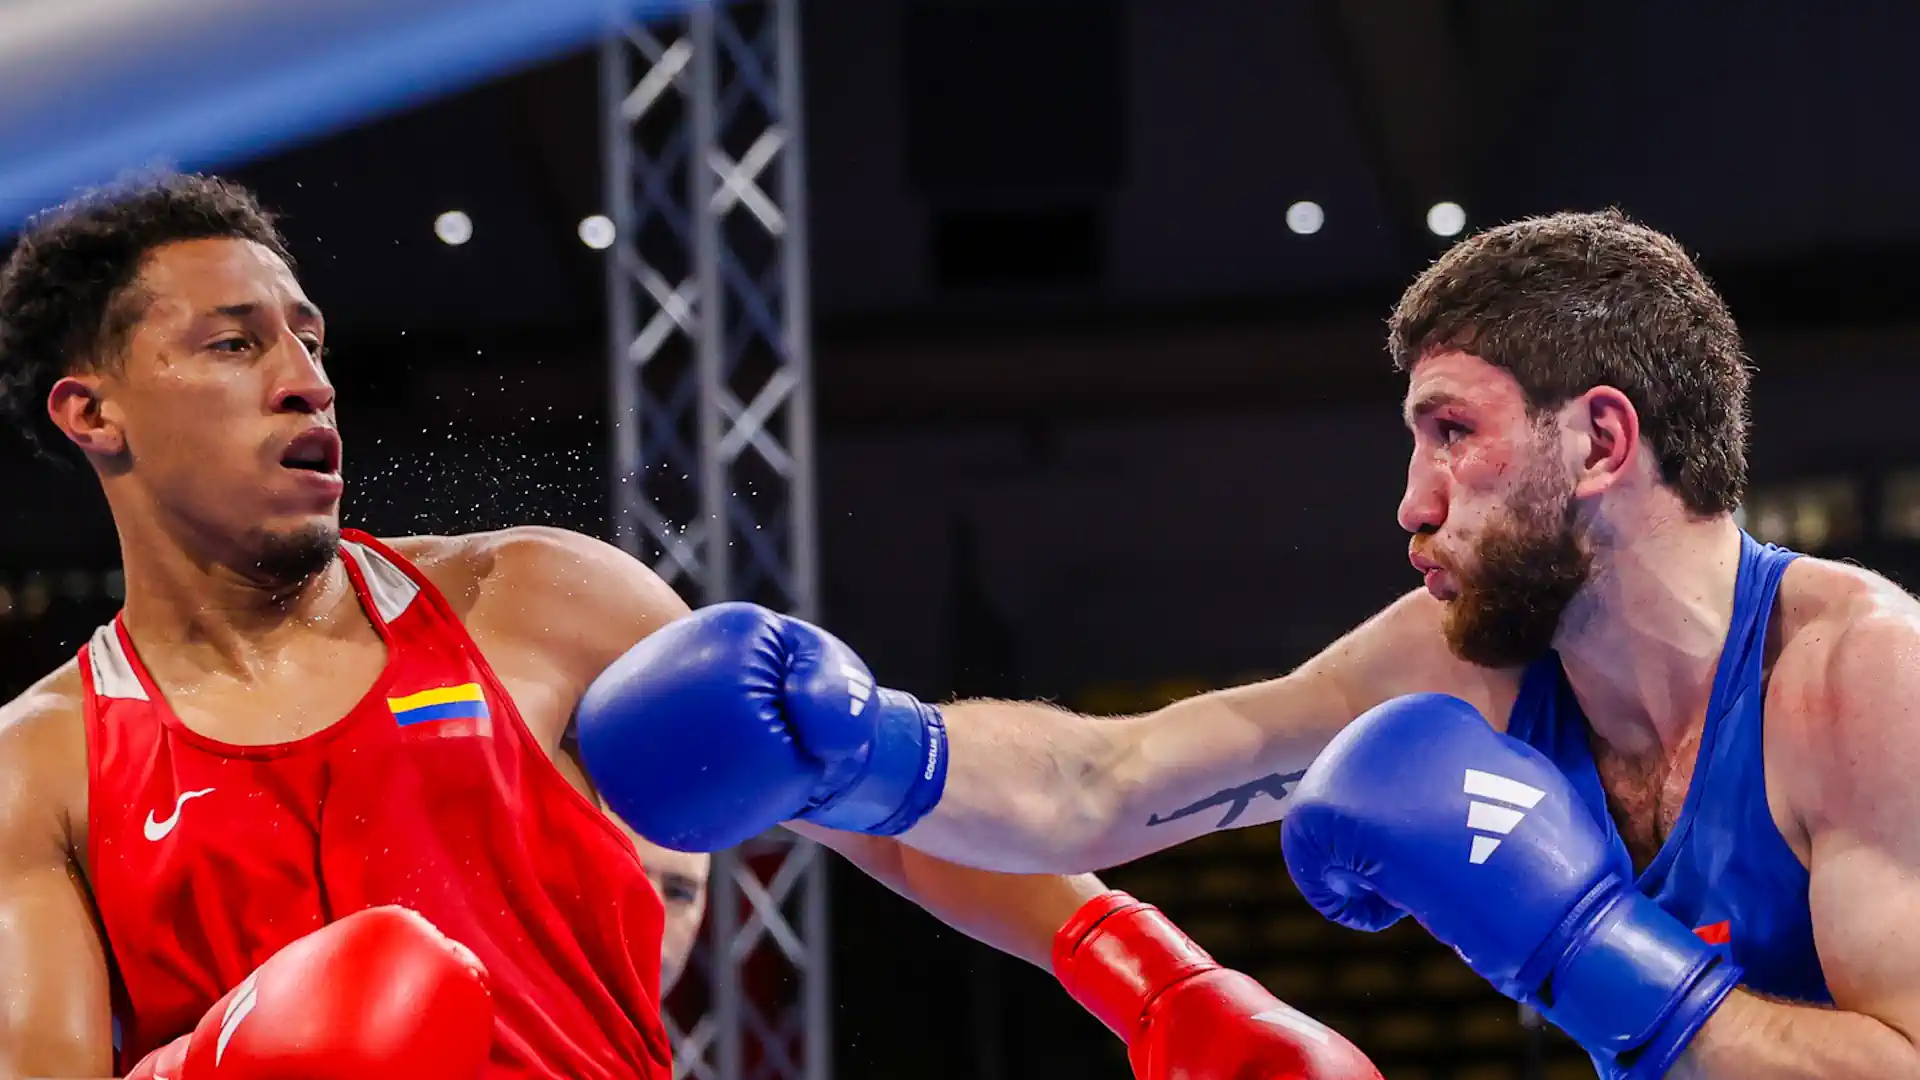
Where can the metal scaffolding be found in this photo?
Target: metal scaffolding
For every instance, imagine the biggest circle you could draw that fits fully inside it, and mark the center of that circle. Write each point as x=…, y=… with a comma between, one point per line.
x=713, y=482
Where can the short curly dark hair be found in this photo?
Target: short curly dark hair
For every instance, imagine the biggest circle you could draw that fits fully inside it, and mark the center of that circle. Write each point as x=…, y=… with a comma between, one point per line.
x=65, y=301
x=1571, y=301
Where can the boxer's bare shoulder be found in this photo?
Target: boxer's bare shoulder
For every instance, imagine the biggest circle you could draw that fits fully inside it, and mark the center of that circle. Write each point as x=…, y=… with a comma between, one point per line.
x=1843, y=698
x=557, y=590
x=50, y=948
x=1842, y=748
x=43, y=759
x=549, y=608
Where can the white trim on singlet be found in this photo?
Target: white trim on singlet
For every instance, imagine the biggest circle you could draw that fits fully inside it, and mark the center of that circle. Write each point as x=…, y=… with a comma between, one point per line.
x=113, y=675
x=389, y=586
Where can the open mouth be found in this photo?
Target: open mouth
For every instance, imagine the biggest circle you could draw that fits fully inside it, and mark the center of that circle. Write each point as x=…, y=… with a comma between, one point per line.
x=317, y=450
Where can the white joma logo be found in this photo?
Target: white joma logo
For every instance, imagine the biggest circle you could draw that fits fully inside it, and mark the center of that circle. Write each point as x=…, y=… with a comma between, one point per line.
x=157, y=831
x=859, y=688
x=1492, y=817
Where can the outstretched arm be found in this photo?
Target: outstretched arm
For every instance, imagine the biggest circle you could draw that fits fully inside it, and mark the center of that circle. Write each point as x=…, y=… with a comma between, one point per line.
x=1019, y=914
x=1031, y=787
x=591, y=603
x=1026, y=788
x=690, y=719
x=1853, y=787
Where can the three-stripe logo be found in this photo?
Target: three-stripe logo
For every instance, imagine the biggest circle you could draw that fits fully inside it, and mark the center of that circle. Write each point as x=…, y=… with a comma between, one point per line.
x=1497, y=806
x=859, y=688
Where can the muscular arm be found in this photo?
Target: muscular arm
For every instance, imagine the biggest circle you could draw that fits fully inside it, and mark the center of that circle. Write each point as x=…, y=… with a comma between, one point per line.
x=54, y=1017
x=1015, y=913
x=1856, y=793
x=591, y=603
x=1033, y=788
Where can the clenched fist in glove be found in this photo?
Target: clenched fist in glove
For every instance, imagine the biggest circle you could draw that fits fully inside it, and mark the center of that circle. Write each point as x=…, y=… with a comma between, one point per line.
x=378, y=995
x=735, y=719
x=1394, y=819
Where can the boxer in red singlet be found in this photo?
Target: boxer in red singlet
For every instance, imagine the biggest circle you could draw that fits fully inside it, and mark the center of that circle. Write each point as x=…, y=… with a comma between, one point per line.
x=289, y=724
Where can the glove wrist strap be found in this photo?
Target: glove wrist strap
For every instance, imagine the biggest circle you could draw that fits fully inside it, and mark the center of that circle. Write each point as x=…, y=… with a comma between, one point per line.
x=905, y=773
x=1117, y=955
x=1637, y=984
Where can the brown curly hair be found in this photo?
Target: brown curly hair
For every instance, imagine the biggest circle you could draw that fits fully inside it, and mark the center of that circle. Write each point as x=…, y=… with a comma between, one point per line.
x=1568, y=302
x=65, y=299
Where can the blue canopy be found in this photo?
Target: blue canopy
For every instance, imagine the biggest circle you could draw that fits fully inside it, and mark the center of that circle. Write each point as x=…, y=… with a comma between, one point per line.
x=92, y=89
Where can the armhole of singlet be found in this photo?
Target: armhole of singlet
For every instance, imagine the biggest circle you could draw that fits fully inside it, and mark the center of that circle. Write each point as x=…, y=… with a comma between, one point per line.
x=1757, y=730
x=93, y=731
x=90, y=732
x=430, y=593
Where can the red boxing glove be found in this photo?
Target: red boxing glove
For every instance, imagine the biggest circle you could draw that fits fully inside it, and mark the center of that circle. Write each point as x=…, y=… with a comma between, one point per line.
x=1183, y=1016
x=378, y=995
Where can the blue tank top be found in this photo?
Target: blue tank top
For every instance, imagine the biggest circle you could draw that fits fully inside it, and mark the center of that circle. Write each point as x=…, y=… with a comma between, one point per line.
x=1725, y=870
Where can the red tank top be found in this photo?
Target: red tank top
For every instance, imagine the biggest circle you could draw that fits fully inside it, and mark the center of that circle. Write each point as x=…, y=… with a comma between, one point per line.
x=206, y=858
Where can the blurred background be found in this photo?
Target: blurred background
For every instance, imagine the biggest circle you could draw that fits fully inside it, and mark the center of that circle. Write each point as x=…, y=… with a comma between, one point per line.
x=1102, y=412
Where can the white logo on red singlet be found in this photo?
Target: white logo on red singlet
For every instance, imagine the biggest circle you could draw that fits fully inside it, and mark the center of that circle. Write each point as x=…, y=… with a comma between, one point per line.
x=157, y=831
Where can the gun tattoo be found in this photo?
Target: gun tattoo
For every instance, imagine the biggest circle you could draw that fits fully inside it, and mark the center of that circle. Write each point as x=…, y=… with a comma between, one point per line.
x=1236, y=799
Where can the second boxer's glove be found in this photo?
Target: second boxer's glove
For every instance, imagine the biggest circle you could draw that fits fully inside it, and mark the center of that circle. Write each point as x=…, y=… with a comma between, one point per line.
x=1420, y=808
x=736, y=718
x=1183, y=1016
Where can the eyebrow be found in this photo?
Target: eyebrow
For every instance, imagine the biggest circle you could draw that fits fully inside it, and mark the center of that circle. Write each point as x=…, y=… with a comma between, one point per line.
x=679, y=881
x=247, y=311
x=1430, y=404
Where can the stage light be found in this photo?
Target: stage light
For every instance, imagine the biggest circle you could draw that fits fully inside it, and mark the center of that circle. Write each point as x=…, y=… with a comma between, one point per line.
x=453, y=227
x=1306, y=217
x=1446, y=219
x=597, y=232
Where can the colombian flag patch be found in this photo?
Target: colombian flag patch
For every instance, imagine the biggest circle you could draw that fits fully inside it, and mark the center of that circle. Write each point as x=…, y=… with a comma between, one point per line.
x=463, y=702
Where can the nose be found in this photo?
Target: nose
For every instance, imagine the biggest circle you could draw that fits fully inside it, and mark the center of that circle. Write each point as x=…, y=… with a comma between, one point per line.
x=304, y=387
x=1423, y=506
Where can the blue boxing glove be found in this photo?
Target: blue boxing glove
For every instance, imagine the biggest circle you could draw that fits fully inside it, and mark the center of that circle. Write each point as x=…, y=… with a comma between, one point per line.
x=736, y=718
x=1420, y=808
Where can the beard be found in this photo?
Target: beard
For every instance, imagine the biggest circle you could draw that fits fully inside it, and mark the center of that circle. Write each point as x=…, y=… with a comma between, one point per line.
x=1526, y=571
x=290, y=558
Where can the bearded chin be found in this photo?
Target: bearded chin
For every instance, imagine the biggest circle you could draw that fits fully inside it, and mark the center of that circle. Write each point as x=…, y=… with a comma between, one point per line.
x=1527, y=571
x=292, y=557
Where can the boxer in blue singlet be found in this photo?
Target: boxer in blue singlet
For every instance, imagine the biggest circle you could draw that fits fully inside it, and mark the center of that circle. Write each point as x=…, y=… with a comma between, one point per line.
x=1640, y=772
x=1724, y=863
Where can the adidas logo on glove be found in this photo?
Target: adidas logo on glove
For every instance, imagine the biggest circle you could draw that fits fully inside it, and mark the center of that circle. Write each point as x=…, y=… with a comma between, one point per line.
x=859, y=688
x=1509, y=802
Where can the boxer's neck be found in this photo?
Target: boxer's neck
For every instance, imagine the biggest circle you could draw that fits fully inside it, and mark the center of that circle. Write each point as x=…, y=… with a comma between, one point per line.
x=1641, y=644
x=208, y=616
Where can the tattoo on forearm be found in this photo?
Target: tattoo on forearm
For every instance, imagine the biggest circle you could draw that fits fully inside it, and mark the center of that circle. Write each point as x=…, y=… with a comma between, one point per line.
x=1236, y=799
